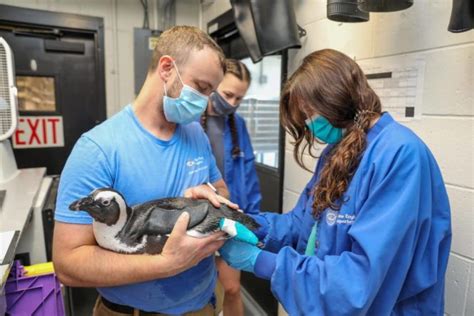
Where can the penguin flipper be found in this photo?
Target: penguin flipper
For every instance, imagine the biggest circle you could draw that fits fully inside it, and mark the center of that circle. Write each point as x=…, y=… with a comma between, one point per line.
x=238, y=216
x=161, y=221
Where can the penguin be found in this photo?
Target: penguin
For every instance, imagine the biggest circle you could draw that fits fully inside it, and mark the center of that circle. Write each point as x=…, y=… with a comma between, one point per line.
x=144, y=228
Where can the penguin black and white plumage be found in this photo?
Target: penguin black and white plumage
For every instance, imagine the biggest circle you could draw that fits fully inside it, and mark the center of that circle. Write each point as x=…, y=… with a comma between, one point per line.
x=144, y=228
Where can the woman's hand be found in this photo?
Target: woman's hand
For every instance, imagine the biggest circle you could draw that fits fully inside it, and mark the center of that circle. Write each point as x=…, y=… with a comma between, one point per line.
x=240, y=255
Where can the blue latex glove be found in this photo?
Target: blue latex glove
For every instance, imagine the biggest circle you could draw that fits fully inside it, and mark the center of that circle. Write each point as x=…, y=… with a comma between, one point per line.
x=240, y=255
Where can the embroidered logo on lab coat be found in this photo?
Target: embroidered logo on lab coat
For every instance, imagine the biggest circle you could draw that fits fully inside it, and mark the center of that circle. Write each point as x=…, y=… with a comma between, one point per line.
x=331, y=217
x=345, y=219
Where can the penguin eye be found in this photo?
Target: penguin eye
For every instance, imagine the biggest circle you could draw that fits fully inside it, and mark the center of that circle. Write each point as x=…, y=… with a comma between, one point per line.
x=106, y=202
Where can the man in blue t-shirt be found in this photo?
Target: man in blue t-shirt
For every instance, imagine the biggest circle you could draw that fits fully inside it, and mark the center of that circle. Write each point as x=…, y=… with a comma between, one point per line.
x=151, y=149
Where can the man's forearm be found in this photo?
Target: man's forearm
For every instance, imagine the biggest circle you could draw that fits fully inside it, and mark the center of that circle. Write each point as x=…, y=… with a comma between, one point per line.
x=92, y=266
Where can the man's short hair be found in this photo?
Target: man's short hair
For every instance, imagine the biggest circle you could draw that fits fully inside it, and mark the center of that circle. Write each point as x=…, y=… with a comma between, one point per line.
x=179, y=41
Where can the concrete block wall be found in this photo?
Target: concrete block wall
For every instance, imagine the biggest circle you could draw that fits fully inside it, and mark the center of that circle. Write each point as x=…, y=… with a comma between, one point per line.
x=120, y=17
x=447, y=121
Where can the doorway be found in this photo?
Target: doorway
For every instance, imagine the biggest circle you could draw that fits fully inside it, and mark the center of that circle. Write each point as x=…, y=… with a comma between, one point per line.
x=260, y=109
x=59, y=62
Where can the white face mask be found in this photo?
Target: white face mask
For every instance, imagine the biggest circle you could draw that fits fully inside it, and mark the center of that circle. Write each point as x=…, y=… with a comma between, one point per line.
x=186, y=108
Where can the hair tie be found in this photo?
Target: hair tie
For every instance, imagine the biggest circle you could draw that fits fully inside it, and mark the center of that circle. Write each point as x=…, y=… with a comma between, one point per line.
x=358, y=117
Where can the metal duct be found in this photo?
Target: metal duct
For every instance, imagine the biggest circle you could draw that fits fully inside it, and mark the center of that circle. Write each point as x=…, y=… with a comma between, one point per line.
x=462, y=16
x=345, y=11
x=384, y=5
x=266, y=26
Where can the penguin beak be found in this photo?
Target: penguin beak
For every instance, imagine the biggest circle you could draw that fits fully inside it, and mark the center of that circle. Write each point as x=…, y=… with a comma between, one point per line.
x=83, y=204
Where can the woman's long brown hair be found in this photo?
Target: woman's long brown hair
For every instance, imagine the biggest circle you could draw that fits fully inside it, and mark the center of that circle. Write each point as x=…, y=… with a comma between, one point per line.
x=238, y=69
x=330, y=84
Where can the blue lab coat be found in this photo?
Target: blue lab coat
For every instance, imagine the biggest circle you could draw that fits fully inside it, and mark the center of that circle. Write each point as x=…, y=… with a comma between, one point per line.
x=384, y=253
x=240, y=174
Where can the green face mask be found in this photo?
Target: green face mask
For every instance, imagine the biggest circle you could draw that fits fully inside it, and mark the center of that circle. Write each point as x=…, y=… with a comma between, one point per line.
x=323, y=130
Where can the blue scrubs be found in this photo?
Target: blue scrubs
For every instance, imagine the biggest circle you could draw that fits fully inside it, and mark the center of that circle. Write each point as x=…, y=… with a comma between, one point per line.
x=240, y=174
x=384, y=253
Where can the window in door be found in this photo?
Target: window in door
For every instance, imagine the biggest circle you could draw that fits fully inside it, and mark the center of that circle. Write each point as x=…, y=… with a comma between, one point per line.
x=36, y=94
x=260, y=108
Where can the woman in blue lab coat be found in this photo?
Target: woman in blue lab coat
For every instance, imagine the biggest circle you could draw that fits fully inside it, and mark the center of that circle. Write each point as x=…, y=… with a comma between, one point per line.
x=233, y=150
x=371, y=231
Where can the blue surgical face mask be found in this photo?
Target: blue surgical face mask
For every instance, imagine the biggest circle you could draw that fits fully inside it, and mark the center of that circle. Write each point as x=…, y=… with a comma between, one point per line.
x=221, y=106
x=323, y=130
x=186, y=108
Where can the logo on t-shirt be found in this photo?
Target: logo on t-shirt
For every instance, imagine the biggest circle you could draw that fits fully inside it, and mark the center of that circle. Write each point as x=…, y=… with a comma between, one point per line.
x=197, y=164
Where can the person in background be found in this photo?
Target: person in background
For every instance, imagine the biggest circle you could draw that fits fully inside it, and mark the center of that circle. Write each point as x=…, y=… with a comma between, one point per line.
x=231, y=146
x=371, y=232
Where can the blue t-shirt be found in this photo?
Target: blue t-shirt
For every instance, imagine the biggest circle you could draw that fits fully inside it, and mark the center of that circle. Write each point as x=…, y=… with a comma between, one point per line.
x=120, y=153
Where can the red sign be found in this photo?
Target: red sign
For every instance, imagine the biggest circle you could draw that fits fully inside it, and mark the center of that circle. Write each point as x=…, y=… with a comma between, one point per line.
x=39, y=132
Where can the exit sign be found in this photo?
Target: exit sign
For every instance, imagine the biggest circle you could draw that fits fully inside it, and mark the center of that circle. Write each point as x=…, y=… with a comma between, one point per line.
x=39, y=132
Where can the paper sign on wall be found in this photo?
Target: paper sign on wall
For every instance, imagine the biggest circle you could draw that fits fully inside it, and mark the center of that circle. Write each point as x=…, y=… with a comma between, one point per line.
x=152, y=41
x=398, y=81
x=39, y=132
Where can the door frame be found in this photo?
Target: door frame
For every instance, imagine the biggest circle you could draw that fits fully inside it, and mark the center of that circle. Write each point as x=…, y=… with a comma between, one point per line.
x=282, y=143
x=224, y=31
x=24, y=17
